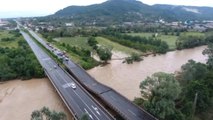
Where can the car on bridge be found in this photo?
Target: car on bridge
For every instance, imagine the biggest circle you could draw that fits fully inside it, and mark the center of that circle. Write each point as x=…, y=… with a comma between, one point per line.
x=55, y=67
x=73, y=85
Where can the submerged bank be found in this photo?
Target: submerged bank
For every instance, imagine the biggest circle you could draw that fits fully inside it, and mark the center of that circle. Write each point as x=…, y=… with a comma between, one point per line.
x=18, y=99
x=126, y=78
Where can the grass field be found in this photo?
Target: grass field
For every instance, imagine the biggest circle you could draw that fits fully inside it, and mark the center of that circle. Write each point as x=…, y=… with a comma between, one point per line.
x=82, y=42
x=141, y=34
x=4, y=33
x=75, y=41
x=10, y=44
x=193, y=33
x=170, y=39
x=116, y=47
x=74, y=57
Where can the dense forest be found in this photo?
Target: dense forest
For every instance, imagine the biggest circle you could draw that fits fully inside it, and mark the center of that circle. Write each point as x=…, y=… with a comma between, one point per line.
x=19, y=62
x=183, y=96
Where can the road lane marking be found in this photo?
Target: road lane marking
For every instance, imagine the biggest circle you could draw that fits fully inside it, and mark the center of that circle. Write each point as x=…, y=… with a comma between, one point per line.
x=69, y=94
x=132, y=112
x=88, y=113
x=46, y=59
x=96, y=110
x=86, y=105
x=113, y=98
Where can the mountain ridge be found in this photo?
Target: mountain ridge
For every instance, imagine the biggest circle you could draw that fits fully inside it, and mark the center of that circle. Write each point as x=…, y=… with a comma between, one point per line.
x=132, y=11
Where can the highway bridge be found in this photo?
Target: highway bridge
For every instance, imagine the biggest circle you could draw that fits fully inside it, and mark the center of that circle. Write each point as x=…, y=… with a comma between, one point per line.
x=76, y=98
x=116, y=101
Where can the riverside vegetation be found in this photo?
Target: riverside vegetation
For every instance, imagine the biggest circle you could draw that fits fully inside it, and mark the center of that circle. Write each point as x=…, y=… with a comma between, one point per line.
x=16, y=58
x=159, y=40
x=185, y=96
x=45, y=112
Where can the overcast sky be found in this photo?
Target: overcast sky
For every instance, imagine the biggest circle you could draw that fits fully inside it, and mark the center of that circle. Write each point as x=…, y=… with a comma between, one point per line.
x=23, y=8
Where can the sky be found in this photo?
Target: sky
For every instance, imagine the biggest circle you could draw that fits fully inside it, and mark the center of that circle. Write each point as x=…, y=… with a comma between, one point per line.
x=29, y=8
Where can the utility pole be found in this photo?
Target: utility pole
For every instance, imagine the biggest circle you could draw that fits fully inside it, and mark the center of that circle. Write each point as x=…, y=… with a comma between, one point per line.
x=194, y=105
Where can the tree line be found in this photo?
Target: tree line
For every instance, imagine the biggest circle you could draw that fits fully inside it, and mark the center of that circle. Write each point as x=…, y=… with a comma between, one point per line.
x=190, y=41
x=140, y=43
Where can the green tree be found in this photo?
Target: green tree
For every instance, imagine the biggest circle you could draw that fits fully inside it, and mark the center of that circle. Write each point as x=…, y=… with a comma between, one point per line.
x=134, y=57
x=195, y=78
x=209, y=53
x=92, y=42
x=160, y=92
x=104, y=53
x=84, y=117
x=49, y=115
x=192, y=71
x=189, y=41
x=36, y=115
x=203, y=100
x=46, y=111
x=178, y=33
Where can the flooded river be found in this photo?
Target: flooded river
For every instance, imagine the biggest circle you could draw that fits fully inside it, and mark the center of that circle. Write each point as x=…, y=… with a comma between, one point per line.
x=19, y=98
x=126, y=78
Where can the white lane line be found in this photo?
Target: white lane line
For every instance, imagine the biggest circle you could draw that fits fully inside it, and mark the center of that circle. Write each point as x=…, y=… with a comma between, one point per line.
x=46, y=59
x=132, y=112
x=88, y=113
x=96, y=110
x=113, y=98
x=87, y=105
x=66, y=90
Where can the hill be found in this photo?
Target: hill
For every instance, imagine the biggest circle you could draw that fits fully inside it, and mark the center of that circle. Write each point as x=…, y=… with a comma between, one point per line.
x=118, y=11
x=187, y=12
x=111, y=10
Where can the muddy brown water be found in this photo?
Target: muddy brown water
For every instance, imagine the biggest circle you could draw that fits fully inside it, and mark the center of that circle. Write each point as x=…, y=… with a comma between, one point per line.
x=19, y=98
x=126, y=78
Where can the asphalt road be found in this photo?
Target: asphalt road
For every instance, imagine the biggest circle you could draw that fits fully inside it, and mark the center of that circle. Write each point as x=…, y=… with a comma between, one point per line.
x=119, y=103
x=77, y=99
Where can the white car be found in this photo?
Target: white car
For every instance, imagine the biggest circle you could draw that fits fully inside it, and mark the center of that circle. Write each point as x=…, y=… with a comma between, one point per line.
x=67, y=59
x=73, y=85
x=55, y=67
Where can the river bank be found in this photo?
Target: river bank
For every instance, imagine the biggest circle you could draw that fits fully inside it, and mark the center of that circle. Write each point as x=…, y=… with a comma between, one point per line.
x=126, y=78
x=18, y=99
